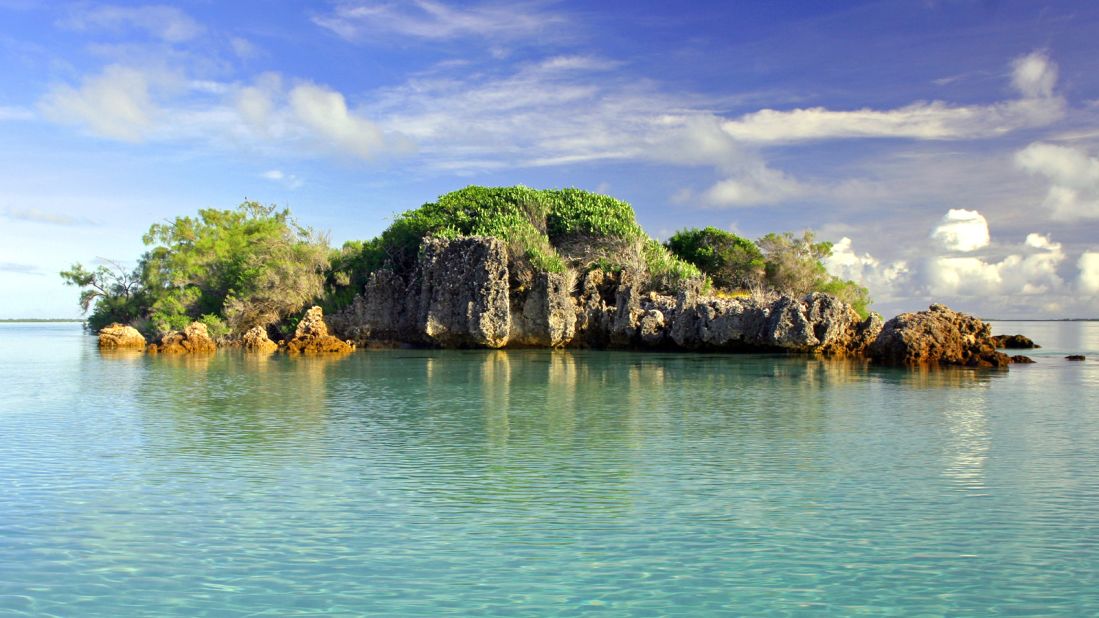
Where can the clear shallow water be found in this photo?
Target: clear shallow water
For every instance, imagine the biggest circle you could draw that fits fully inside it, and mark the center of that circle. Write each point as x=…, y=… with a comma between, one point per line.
x=544, y=483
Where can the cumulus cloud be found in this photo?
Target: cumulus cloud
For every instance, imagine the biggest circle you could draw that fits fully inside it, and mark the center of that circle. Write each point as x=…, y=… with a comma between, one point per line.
x=427, y=19
x=1073, y=177
x=884, y=281
x=1089, y=272
x=167, y=23
x=1031, y=271
x=116, y=103
x=1033, y=76
x=962, y=230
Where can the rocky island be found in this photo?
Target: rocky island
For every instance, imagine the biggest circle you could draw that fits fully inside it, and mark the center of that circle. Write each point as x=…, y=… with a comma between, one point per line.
x=503, y=268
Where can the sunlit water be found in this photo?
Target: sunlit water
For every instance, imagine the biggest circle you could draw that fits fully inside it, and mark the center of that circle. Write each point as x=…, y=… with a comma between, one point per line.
x=422, y=482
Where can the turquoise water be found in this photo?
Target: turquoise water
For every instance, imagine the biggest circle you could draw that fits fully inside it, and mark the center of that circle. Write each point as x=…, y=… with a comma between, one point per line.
x=418, y=482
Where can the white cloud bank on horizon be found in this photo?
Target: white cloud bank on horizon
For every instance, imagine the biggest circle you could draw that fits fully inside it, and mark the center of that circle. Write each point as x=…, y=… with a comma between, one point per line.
x=1073, y=177
x=1025, y=276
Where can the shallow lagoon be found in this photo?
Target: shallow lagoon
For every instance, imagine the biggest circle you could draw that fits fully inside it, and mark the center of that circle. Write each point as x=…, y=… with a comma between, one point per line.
x=420, y=482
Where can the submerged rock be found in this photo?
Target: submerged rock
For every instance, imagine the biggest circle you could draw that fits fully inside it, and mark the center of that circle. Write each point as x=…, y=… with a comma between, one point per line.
x=119, y=336
x=256, y=340
x=1075, y=357
x=1022, y=360
x=194, y=339
x=311, y=336
x=1014, y=342
x=937, y=336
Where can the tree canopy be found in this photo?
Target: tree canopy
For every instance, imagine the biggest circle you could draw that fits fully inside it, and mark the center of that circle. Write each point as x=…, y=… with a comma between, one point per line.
x=731, y=262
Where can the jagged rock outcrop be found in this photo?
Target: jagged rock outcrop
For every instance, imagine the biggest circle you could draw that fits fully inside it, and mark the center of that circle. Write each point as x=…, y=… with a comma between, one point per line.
x=815, y=323
x=463, y=292
x=546, y=315
x=120, y=337
x=194, y=339
x=311, y=336
x=1014, y=342
x=937, y=336
x=256, y=340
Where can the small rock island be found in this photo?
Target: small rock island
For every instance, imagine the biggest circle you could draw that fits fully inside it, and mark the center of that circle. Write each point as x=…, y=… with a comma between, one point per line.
x=502, y=267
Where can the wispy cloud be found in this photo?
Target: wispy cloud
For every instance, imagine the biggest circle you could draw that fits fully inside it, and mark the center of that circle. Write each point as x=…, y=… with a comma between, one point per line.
x=15, y=113
x=1033, y=77
x=290, y=181
x=117, y=103
x=19, y=269
x=34, y=215
x=427, y=19
x=163, y=22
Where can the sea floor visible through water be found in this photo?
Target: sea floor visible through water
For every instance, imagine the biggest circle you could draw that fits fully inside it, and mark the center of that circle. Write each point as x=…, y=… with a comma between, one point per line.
x=545, y=483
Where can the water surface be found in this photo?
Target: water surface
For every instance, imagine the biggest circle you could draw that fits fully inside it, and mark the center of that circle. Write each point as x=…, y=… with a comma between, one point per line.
x=422, y=482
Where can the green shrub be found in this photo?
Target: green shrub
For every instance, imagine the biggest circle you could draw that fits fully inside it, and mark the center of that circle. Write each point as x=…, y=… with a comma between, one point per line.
x=215, y=326
x=730, y=261
x=666, y=270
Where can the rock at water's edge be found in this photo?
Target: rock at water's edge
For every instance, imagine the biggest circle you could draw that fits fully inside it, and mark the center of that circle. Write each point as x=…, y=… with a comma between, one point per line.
x=194, y=339
x=311, y=336
x=1022, y=360
x=937, y=336
x=1075, y=357
x=1014, y=342
x=256, y=340
x=119, y=336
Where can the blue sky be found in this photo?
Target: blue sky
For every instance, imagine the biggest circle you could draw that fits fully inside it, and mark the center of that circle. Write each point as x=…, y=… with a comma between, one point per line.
x=949, y=148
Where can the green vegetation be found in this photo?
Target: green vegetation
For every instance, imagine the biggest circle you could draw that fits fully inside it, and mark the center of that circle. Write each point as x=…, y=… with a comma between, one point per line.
x=230, y=269
x=730, y=261
x=256, y=266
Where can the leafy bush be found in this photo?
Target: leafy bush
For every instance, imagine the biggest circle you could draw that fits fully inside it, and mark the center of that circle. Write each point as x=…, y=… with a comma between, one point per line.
x=795, y=266
x=666, y=270
x=111, y=293
x=215, y=326
x=577, y=212
x=731, y=262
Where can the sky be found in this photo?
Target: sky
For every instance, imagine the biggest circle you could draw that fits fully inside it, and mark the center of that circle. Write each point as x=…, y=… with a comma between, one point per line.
x=949, y=148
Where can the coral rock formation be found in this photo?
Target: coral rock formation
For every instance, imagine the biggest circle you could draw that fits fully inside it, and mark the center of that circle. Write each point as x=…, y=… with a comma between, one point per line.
x=1014, y=342
x=119, y=336
x=311, y=336
x=194, y=339
x=256, y=340
x=937, y=336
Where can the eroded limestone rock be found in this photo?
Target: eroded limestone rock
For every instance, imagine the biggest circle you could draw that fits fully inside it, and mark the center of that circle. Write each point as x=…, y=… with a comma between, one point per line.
x=194, y=339
x=463, y=292
x=311, y=336
x=119, y=336
x=937, y=336
x=256, y=340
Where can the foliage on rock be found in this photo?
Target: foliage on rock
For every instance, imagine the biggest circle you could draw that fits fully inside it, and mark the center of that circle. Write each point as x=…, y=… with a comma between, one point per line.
x=730, y=261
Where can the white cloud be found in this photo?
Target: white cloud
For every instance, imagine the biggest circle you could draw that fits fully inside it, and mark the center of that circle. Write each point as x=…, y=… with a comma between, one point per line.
x=290, y=181
x=755, y=186
x=325, y=112
x=1073, y=177
x=15, y=113
x=428, y=19
x=885, y=282
x=35, y=215
x=116, y=103
x=1034, y=76
x=1031, y=271
x=962, y=230
x=1089, y=272
x=167, y=23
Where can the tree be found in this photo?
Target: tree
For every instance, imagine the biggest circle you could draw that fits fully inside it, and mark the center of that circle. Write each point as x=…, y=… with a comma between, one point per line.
x=795, y=266
x=253, y=265
x=112, y=293
x=730, y=261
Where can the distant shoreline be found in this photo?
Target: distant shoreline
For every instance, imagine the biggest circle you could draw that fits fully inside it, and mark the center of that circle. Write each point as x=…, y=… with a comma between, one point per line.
x=38, y=320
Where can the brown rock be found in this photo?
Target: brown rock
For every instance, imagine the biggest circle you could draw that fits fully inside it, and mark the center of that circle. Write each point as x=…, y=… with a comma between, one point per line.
x=194, y=339
x=119, y=336
x=937, y=336
x=1075, y=357
x=311, y=336
x=1022, y=360
x=1014, y=342
x=256, y=340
